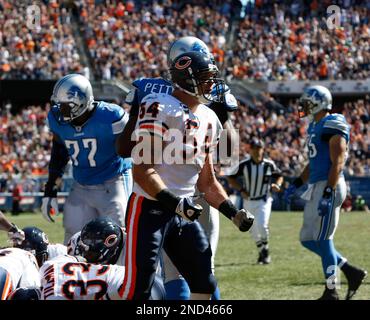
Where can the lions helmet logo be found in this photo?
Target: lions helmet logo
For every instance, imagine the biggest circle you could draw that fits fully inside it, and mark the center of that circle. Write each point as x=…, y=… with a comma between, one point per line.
x=75, y=92
x=197, y=46
x=183, y=63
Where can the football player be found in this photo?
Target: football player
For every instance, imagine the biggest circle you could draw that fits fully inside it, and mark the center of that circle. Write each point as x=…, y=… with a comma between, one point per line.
x=37, y=242
x=161, y=210
x=101, y=244
x=18, y=268
x=85, y=131
x=328, y=138
x=176, y=286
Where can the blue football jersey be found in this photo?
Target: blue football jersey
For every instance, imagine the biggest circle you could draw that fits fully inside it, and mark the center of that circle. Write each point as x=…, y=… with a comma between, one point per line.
x=92, y=146
x=318, y=144
x=145, y=86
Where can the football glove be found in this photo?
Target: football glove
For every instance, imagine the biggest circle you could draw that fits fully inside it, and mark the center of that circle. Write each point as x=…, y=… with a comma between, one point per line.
x=49, y=205
x=16, y=235
x=326, y=202
x=288, y=193
x=188, y=209
x=243, y=220
x=229, y=102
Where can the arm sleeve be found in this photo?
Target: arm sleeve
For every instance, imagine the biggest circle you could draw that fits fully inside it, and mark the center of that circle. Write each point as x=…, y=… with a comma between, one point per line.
x=334, y=127
x=58, y=159
x=119, y=125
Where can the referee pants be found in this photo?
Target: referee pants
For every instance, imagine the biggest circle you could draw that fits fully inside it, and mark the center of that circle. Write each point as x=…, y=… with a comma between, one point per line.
x=262, y=211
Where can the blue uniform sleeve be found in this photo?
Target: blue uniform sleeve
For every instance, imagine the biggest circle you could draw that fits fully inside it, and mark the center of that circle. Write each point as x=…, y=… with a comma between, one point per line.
x=119, y=119
x=335, y=125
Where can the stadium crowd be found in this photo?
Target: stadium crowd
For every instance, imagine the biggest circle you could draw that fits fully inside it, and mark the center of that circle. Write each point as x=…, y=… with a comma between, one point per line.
x=286, y=41
x=29, y=50
x=25, y=140
x=291, y=40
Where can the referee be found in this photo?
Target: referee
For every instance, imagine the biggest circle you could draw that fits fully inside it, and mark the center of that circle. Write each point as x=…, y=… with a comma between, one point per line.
x=259, y=176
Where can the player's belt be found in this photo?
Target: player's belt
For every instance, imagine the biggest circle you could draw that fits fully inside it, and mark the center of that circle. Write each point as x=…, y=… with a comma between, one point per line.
x=259, y=198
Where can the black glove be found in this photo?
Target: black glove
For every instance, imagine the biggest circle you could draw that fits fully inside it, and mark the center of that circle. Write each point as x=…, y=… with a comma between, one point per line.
x=51, y=190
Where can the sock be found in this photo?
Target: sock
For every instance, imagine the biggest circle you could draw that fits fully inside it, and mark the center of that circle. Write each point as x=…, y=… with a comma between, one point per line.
x=265, y=244
x=177, y=290
x=313, y=246
x=329, y=262
x=216, y=295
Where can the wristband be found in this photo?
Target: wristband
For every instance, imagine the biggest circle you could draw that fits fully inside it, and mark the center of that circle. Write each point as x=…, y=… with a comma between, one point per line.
x=168, y=199
x=228, y=209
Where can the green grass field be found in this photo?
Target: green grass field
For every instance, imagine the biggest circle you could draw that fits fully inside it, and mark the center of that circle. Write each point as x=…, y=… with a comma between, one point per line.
x=295, y=273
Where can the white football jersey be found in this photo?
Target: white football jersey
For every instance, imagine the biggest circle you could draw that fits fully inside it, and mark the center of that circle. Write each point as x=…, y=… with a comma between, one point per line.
x=72, y=248
x=188, y=137
x=55, y=250
x=65, y=278
x=21, y=266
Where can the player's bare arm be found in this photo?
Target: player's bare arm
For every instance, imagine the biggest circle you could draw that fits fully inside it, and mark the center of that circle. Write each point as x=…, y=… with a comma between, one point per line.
x=216, y=196
x=124, y=143
x=338, y=147
x=208, y=184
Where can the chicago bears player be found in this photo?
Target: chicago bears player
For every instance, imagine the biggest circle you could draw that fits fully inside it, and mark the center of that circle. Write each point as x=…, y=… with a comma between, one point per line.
x=101, y=244
x=85, y=131
x=37, y=242
x=328, y=138
x=161, y=210
x=18, y=268
x=176, y=286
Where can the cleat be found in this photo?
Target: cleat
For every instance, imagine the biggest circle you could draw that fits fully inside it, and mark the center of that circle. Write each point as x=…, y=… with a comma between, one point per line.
x=266, y=258
x=260, y=258
x=329, y=294
x=355, y=279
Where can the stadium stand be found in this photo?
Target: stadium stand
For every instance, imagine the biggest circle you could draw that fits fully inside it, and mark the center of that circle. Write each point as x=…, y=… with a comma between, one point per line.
x=251, y=40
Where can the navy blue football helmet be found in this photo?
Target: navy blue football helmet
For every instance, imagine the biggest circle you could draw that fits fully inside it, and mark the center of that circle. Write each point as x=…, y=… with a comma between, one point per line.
x=36, y=242
x=100, y=241
x=25, y=294
x=191, y=70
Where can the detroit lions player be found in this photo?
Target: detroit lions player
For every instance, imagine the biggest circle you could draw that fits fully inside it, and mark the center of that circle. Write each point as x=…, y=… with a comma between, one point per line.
x=328, y=138
x=85, y=131
x=176, y=286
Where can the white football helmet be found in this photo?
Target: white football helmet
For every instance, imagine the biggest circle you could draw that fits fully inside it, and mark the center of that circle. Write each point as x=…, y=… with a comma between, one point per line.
x=186, y=44
x=73, y=95
x=313, y=100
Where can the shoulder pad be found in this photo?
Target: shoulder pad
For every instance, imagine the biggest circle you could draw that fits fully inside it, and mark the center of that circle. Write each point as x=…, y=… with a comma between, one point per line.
x=110, y=112
x=337, y=122
x=169, y=105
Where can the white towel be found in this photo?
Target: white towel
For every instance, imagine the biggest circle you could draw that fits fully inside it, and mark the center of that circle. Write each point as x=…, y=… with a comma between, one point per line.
x=307, y=195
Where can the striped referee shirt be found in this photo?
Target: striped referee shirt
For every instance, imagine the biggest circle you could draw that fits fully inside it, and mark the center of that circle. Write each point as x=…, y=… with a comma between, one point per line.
x=257, y=178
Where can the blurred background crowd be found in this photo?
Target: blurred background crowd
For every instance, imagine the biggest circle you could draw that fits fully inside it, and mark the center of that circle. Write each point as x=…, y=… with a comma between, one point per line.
x=257, y=40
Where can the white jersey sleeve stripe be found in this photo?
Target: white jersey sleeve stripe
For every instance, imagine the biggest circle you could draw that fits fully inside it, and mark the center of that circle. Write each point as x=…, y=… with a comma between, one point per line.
x=118, y=126
x=335, y=124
